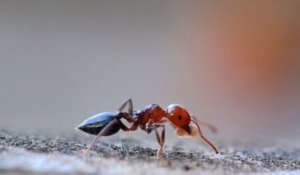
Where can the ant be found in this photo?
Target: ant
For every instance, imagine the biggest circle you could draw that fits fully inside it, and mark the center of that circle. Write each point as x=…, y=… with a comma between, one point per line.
x=148, y=119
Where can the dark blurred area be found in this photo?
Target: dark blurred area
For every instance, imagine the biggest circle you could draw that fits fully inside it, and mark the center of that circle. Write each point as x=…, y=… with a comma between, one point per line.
x=232, y=63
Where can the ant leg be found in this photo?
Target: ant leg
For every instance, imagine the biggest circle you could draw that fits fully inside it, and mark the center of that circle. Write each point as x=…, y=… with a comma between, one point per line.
x=163, y=133
x=123, y=127
x=208, y=125
x=160, y=139
x=134, y=127
x=204, y=138
x=101, y=133
x=129, y=120
x=130, y=106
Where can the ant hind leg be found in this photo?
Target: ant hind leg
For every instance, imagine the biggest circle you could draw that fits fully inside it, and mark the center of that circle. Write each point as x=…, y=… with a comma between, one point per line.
x=101, y=133
x=130, y=106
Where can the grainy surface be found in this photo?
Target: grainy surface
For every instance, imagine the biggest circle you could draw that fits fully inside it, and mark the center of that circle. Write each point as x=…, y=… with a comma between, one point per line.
x=21, y=154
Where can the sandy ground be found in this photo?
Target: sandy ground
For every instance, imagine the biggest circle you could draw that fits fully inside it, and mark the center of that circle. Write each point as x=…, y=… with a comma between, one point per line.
x=39, y=154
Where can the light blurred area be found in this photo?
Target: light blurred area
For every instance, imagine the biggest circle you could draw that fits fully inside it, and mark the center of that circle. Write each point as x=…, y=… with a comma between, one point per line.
x=235, y=64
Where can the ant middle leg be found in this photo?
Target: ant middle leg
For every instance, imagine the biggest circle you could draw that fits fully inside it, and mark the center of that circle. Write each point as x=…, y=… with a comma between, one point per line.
x=160, y=138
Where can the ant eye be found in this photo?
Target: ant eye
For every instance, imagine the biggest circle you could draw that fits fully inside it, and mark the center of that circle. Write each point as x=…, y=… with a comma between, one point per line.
x=179, y=117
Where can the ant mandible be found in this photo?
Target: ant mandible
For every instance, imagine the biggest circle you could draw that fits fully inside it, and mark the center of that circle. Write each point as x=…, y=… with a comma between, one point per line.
x=148, y=119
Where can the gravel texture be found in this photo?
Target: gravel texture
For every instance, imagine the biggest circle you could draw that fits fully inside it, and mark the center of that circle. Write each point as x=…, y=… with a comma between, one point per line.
x=24, y=154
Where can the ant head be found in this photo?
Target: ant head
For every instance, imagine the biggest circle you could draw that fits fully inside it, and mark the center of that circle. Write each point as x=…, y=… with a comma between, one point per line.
x=179, y=117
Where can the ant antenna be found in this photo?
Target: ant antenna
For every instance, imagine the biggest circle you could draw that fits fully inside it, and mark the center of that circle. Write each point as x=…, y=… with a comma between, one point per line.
x=206, y=124
x=205, y=139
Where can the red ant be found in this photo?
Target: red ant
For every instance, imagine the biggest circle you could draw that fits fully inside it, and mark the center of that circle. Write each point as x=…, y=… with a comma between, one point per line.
x=148, y=119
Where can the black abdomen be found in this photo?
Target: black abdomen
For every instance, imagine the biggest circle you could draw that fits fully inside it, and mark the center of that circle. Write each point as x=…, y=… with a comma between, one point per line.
x=96, y=123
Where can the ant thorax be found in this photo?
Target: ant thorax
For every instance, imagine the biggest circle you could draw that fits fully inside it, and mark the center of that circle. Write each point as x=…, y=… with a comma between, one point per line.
x=151, y=112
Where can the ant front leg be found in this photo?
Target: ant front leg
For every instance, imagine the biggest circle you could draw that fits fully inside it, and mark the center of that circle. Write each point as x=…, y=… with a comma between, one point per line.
x=130, y=106
x=160, y=139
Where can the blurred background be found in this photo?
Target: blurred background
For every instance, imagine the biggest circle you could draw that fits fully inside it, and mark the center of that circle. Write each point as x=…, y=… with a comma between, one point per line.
x=235, y=64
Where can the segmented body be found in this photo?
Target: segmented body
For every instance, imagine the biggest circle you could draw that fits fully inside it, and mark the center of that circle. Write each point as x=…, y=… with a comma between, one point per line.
x=148, y=119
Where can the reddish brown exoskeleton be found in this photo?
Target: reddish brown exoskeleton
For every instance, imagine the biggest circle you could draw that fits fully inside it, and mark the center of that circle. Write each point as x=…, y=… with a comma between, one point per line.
x=148, y=119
